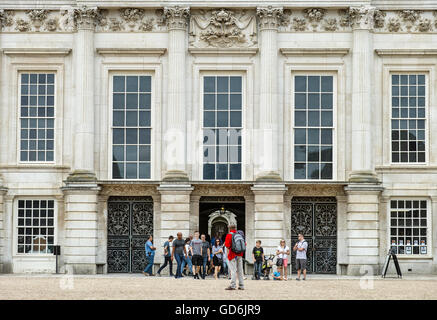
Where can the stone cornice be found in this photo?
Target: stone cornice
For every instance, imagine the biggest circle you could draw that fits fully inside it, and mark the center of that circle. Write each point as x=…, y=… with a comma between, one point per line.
x=314, y=51
x=132, y=51
x=37, y=51
x=223, y=51
x=406, y=52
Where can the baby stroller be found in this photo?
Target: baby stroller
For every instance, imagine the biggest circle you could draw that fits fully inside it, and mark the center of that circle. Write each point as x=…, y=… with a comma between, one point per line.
x=267, y=266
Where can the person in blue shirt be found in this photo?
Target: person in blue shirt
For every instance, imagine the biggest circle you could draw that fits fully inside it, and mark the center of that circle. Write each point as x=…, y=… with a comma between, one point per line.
x=150, y=255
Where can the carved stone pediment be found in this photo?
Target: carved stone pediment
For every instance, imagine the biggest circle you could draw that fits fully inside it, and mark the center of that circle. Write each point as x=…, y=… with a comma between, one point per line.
x=223, y=28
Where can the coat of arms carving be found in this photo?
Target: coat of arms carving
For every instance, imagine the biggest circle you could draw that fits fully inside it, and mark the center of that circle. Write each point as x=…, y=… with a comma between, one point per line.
x=222, y=28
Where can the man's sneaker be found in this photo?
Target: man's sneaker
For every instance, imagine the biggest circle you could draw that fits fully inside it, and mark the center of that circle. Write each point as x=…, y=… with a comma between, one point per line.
x=145, y=274
x=298, y=279
x=303, y=279
x=230, y=288
x=158, y=274
x=239, y=288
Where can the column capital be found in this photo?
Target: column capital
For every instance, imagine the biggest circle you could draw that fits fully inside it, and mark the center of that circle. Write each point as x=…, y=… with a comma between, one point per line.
x=86, y=18
x=362, y=18
x=269, y=17
x=176, y=17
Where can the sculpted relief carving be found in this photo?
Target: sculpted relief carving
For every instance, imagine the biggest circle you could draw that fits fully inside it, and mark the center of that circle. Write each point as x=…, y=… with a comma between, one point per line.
x=223, y=28
x=218, y=27
x=69, y=19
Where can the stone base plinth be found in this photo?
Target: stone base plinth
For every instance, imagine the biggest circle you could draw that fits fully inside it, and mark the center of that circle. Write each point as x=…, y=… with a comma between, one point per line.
x=81, y=229
x=269, y=215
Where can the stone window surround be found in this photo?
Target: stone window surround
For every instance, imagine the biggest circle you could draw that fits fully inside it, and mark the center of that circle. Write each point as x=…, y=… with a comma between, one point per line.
x=227, y=65
x=429, y=214
x=37, y=117
x=128, y=61
x=36, y=60
x=408, y=118
x=15, y=227
x=391, y=66
x=317, y=62
x=334, y=120
x=110, y=113
x=243, y=76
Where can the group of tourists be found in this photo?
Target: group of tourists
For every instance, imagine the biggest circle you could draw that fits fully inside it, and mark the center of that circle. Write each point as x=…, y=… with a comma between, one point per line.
x=198, y=257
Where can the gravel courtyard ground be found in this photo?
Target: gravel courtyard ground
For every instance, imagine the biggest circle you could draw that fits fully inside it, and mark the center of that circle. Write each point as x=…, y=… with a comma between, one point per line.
x=140, y=287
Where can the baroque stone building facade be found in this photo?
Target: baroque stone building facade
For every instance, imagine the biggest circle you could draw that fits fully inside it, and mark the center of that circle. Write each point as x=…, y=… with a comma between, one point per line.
x=124, y=119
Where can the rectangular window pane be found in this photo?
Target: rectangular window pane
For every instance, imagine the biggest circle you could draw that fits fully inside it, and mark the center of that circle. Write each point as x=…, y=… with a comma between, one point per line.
x=408, y=92
x=37, y=102
x=131, y=133
x=222, y=123
x=35, y=232
x=313, y=110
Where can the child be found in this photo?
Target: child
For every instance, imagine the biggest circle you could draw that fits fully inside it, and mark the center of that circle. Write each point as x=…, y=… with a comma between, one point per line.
x=277, y=275
x=258, y=258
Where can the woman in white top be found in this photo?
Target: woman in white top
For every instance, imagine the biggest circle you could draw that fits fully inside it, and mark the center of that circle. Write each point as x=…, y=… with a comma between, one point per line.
x=282, y=252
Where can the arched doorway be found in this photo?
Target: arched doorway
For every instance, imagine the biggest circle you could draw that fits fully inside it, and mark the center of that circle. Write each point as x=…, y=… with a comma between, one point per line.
x=216, y=212
x=219, y=221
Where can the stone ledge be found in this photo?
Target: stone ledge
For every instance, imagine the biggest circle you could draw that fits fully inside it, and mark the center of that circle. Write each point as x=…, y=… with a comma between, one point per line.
x=314, y=51
x=406, y=52
x=132, y=51
x=223, y=51
x=37, y=51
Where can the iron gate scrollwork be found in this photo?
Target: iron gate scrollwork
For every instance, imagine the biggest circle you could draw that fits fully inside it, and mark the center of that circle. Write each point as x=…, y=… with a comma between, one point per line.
x=130, y=221
x=316, y=219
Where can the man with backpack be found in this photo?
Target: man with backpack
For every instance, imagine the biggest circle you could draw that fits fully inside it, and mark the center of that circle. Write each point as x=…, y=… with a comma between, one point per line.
x=236, y=247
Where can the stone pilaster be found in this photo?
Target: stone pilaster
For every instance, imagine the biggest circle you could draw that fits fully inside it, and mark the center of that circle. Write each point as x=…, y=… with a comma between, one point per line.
x=249, y=201
x=81, y=229
x=175, y=211
x=269, y=19
x=342, y=234
x=175, y=157
x=194, y=213
x=434, y=234
x=363, y=227
x=362, y=20
x=83, y=160
x=3, y=192
x=269, y=215
x=6, y=231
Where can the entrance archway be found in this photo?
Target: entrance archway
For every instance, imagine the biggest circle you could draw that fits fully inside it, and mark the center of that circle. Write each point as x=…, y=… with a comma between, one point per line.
x=219, y=221
x=215, y=214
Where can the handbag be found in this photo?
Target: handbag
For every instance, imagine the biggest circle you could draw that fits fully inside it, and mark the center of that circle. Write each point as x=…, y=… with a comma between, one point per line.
x=279, y=262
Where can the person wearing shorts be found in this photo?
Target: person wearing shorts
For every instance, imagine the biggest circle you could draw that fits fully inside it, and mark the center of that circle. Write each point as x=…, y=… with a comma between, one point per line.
x=282, y=252
x=196, y=251
x=301, y=248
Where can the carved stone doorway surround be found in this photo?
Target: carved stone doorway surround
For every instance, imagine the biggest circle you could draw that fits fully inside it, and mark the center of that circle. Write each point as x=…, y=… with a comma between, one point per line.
x=322, y=190
x=125, y=190
x=224, y=190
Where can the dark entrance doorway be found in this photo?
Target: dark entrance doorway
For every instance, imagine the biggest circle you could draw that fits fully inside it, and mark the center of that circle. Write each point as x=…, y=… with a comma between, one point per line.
x=130, y=221
x=216, y=212
x=316, y=219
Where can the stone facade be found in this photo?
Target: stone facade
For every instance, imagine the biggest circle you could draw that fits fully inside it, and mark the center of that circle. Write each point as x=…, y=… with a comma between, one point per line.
x=85, y=43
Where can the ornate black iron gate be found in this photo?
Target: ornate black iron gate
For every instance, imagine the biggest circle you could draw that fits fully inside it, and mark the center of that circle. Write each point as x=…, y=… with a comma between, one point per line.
x=316, y=219
x=130, y=221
